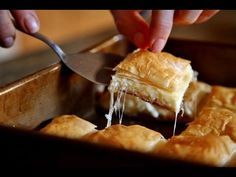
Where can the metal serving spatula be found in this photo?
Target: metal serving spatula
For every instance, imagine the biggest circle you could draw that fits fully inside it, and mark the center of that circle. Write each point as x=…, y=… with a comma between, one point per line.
x=96, y=67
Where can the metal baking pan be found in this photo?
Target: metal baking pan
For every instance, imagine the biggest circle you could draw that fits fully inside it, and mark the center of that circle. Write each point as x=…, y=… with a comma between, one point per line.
x=27, y=104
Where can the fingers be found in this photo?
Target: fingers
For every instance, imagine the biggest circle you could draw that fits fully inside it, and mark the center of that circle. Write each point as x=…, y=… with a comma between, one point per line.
x=7, y=30
x=27, y=19
x=206, y=15
x=160, y=28
x=193, y=16
x=131, y=24
x=186, y=16
x=162, y=22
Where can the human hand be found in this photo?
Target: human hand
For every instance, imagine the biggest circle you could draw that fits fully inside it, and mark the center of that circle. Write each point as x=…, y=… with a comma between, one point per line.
x=26, y=19
x=154, y=35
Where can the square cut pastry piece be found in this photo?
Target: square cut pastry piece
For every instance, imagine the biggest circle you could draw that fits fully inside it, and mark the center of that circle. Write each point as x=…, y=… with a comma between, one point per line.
x=217, y=116
x=195, y=98
x=69, y=126
x=224, y=97
x=132, y=137
x=213, y=120
x=158, y=78
x=210, y=149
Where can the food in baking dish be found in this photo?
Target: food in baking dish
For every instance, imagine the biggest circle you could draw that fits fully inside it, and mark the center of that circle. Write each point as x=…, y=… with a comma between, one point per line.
x=211, y=149
x=158, y=78
x=69, y=126
x=162, y=81
x=222, y=97
x=218, y=115
x=208, y=149
x=213, y=120
x=194, y=98
x=133, y=137
x=133, y=106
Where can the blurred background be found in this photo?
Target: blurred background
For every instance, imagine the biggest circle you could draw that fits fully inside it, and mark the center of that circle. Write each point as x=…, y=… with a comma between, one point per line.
x=64, y=26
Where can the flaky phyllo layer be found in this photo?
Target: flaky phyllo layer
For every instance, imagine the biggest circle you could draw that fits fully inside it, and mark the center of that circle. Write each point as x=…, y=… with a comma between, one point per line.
x=158, y=78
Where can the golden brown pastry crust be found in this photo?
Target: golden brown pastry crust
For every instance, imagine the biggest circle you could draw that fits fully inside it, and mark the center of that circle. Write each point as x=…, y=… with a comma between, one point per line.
x=218, y=115
x=213, y=120
x=224, y=97
x=210, y=139
x=134, y=106
x=195, y=97
x=209, y=149
x=162, y=70
x=69, y=126
x=134, y=137
x=158, y=78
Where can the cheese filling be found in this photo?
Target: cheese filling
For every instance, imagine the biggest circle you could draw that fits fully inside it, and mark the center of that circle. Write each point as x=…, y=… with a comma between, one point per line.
x=170, y=100
x=165, y=90
x=118, y=105
x=122, y=85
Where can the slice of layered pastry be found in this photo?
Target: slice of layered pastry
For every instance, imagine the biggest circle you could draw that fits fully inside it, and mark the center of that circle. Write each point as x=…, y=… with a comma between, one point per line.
x=210, y=149
x=193, y=101
x=195, y=98
x=158, y=78
x=133, y=137
x=217, y=116
x=213, y=120
x=69, y=126
x=224, y=97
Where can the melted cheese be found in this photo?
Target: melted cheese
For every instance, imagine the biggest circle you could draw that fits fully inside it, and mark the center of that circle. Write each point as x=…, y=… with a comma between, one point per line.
x=159, y=78
x=117, y=106
x=121, y=86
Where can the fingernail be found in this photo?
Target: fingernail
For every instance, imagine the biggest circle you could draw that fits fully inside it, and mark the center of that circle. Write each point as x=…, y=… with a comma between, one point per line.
x=8, y=41
x=139, y=39
x=158, y=45
x=31, y=24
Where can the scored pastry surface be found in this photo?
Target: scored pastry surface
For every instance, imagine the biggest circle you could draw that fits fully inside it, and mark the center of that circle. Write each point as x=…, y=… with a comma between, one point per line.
x=163, y=79
x=208, y=149
x=158, y=78
x=133, y=137
x=213, y=149
x=222, y=97
x=69, y=126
